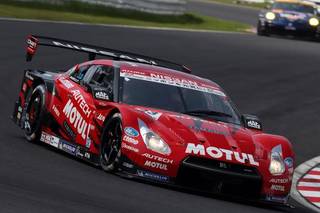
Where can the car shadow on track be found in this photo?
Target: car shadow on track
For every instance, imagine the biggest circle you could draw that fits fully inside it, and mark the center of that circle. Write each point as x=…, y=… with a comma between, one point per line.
x=293, y=38
x=225, y=198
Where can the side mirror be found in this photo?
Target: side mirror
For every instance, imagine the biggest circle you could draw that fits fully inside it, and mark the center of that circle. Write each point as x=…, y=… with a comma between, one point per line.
x=103, y=94
x=252, y=122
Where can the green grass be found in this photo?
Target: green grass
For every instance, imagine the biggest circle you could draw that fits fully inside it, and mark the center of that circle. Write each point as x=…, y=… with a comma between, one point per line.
x=235, y=2
x=97, y=14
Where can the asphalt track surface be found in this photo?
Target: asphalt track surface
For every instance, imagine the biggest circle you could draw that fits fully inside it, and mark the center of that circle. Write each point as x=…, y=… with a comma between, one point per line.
x=276, y=79
x=223, y=11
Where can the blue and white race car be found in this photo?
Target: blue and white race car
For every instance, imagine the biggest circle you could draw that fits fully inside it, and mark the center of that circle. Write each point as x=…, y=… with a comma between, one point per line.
x=290, y=17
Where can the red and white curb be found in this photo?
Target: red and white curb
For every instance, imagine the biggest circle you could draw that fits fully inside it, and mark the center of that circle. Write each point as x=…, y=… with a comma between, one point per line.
x=306, y=184
x=309, y=186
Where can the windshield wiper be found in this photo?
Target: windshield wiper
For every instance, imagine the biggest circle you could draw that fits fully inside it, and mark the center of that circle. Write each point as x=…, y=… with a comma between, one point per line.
x=207, y=112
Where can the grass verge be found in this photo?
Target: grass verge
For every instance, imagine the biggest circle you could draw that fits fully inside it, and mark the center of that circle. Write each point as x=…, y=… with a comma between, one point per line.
x=97, y=14
x=242, y=3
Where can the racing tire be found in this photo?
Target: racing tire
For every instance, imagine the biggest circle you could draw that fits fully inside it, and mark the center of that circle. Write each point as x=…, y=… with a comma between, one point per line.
x=260, y=31
x=34, y=114
x=110, y=151
x=317, y=38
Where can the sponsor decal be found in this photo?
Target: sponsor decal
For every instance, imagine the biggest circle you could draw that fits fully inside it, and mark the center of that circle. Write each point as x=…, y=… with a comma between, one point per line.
x=218, y=153
x=87, y=155
x=101, y=95
x=67, y=147
x=81, y=101
x=157, y=158
x=289, y=162
x=254, y=124
x=31, y=44
x=126, y=146
x=76, y=119
x=80, y=152
x=278, y=199
x=50, y=139
x=56, y=111
x=130, y=140
x=131, y=132
x=277, y=188
x=101, y=117
x=156, y=165
x=128, y=165
x=279, y=181
x=293, y=17
x=153, y=176
x=173, y=81
x=88, y=142
x=69, y=130
x=66, y=83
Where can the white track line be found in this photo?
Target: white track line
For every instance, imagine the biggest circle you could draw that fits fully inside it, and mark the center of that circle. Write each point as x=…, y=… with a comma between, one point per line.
x=124, y=26
x=298, y=173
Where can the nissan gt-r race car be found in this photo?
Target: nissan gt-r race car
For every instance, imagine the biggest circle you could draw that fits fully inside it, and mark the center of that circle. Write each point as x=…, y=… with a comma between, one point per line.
x=293, y=17
x=151, y=119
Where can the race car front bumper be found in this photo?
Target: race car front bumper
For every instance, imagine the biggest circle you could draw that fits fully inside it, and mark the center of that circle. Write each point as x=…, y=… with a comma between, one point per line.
x=220, y=177
x=209, y=177
x=289, y=28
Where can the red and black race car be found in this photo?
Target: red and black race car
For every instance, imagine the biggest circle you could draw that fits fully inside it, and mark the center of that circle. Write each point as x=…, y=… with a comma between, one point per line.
x=148, y=118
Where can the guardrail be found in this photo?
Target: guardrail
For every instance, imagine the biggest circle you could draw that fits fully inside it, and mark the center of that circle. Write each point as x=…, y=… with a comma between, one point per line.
x=166, y=7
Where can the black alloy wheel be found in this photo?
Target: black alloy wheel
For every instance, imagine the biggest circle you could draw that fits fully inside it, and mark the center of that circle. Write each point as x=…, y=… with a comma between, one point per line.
x=110, y=150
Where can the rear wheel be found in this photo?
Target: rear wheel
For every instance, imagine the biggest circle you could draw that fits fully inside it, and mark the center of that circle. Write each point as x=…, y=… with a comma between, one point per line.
x=110, y=150
x=34, y=114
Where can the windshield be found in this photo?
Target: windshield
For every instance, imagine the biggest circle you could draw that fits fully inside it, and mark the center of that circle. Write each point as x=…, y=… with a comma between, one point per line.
x=302, y=8
x=177, y=99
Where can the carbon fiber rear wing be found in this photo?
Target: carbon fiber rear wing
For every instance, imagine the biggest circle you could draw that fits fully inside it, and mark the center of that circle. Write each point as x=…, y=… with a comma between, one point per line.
x=33, y=41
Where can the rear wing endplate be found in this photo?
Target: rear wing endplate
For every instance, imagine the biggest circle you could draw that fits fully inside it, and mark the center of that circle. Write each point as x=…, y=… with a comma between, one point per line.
x=34, y=41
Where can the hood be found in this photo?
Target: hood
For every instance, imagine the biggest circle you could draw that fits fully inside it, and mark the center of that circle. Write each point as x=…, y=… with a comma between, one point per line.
x=180, y=130
x=293, y=15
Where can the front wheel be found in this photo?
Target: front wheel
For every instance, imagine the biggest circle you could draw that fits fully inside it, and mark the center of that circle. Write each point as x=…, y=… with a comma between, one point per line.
x=110, y=150
x=261, y=31
x=34, y=114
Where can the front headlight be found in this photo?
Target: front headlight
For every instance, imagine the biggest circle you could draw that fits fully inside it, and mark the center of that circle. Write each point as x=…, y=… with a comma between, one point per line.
x=270, y=15
x=152, y=140
x=277, y=166
x=314, y=22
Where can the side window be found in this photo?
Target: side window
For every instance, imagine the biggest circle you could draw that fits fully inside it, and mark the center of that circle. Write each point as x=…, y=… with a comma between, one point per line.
x=79, y=74
x=103, y=77
x=101, y=82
